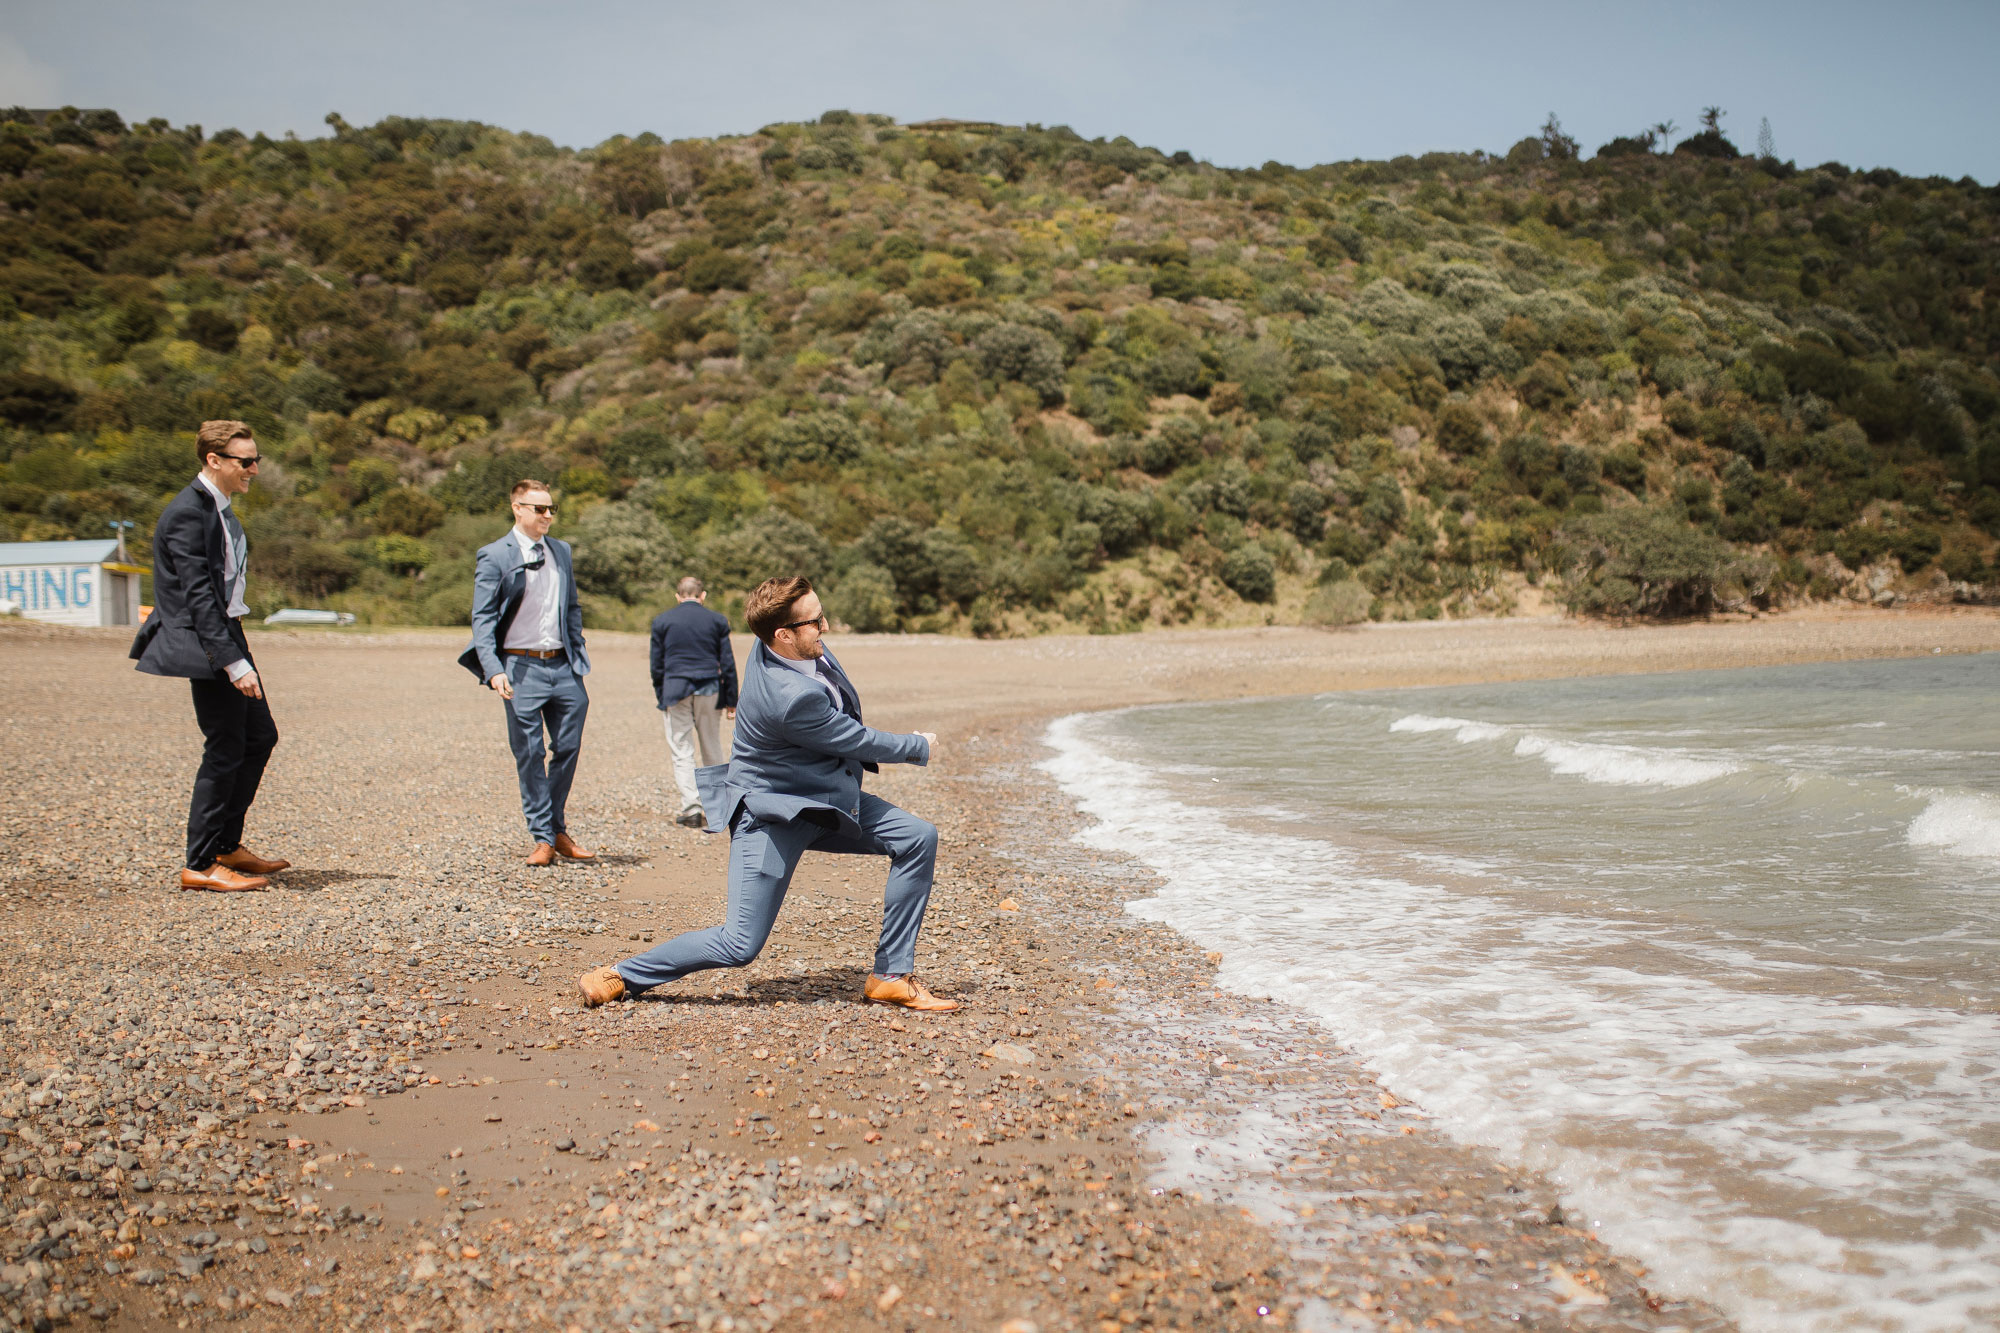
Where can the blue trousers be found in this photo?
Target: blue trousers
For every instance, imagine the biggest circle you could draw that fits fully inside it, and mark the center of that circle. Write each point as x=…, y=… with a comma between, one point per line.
x=762, y=858
x=547, y=694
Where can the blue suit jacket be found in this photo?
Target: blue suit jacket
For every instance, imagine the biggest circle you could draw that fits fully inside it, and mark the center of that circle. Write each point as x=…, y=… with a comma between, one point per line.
x=796, y=756
x=497, y=584
x=690, y=648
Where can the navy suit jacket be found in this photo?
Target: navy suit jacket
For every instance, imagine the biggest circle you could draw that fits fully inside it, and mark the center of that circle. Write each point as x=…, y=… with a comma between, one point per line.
x=188, y=632
x=796, y=756
x=690, y=646
x=497, y=583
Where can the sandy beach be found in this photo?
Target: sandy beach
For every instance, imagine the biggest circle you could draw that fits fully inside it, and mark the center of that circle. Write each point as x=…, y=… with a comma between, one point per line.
x=369, y=1098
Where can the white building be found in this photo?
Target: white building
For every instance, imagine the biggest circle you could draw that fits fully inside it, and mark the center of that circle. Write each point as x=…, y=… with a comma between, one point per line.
x=70, y=583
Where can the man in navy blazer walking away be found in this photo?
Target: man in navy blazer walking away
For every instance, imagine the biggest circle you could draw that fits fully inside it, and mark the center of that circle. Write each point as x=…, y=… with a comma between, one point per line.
x=196, y=631
x=694, y=677
x=527, y=647
x=794, y=783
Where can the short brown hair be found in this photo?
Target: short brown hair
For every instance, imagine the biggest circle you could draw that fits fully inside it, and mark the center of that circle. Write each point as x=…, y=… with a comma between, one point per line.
x=526, y=484
x=214, y=438
x=771, y=602
x=690, y=587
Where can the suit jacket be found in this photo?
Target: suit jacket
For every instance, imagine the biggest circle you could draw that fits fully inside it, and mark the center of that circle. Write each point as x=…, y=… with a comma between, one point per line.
x=188, y=632
x=690, y=648
x=498, y=580
x=796, y=756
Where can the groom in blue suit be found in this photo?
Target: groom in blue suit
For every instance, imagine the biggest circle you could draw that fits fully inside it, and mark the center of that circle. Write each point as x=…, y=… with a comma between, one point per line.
x=527, y=647
x=794, y=782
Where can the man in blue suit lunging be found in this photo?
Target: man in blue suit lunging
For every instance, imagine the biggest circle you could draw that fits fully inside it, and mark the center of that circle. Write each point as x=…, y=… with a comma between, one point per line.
x=794, y=782
x=527, y=647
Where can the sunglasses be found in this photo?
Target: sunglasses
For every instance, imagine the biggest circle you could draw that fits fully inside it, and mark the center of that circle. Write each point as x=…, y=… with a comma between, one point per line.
x=543, y=510
x=819, y=620
x=245, y=461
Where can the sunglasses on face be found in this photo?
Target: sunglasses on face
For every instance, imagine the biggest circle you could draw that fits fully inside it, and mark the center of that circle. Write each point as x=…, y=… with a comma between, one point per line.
x=819, y=620
x=542, y=510
x=244, y=461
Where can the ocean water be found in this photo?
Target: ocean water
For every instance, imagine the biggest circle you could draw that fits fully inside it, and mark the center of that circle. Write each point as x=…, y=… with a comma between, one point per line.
x=1715, y=951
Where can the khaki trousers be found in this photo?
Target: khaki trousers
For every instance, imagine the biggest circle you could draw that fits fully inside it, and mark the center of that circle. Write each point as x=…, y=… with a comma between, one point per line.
x=691, y=722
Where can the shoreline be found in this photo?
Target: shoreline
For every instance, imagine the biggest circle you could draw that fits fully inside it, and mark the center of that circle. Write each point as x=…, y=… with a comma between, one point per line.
x=430, y=979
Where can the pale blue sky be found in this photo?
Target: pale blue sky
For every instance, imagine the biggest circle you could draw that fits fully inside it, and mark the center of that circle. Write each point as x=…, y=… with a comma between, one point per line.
x=1910, y=86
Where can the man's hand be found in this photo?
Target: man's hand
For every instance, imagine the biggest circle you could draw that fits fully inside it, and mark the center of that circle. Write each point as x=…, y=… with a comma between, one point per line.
x=930, y=738
x=501, y=686
x=729, y=713
x=248, y=683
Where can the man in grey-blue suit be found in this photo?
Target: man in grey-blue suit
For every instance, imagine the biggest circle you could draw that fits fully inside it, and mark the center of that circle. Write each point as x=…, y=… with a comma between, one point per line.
x=527, y=647
x=794, y=782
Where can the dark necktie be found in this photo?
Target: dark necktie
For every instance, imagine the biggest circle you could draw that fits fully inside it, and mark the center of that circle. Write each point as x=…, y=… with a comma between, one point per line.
x=540, y=557
x=826, y=674
x=239, y=543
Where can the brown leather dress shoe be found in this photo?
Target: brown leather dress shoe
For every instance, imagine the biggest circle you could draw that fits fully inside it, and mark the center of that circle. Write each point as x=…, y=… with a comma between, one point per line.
x=600, y=985
x=248, y=862
x=907, y=992
x=219, y=878
x=543, y=855
x=566, y=846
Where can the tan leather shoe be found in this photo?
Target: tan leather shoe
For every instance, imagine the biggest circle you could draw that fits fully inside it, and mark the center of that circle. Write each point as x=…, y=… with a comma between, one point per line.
x=600, y=985
x=566, y=846
x=219, y=878
x=249, y=863
x=907, y=992
x=543, y=855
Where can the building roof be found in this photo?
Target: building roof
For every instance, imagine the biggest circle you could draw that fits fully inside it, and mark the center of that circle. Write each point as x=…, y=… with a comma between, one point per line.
x=96, y=551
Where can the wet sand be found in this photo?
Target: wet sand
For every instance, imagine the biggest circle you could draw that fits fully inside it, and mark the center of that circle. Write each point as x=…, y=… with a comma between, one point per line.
x=368, y=1098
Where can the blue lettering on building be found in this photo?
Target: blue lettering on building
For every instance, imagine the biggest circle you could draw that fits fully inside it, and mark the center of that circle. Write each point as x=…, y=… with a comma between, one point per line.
x=49, y=589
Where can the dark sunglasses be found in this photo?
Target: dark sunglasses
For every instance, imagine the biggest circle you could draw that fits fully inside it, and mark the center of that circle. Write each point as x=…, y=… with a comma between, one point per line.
x=539, y=509
x=819, y=620
x=243, y=460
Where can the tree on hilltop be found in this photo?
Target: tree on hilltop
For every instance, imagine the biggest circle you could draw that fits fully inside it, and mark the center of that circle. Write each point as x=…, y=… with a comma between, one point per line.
x=1557, y=145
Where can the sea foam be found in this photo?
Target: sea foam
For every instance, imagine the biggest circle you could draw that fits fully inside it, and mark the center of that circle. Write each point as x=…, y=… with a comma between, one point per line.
x=1622, y=765
x=1963, y=825
x=1593, y=761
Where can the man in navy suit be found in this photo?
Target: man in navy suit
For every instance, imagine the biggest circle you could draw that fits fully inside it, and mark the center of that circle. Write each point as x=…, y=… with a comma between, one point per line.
x=527, y=647
x=196, y=632
x=794, y=783
x=694, y=677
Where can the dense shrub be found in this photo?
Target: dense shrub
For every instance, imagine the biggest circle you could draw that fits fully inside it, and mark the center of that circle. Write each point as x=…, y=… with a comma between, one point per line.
x=1419, y=369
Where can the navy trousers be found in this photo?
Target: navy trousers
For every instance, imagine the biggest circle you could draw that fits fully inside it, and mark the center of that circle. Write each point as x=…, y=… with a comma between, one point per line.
x=549, y=697
x=762, y=858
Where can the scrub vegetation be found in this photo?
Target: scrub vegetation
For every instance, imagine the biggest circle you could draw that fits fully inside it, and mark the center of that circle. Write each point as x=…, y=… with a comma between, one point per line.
x=993, y=380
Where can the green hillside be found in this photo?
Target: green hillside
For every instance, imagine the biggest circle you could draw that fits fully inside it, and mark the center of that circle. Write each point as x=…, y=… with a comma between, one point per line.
x=992, y=379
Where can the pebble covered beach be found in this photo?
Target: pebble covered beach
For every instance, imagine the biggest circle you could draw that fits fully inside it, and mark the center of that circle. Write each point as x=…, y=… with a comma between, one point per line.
x=370, y=1098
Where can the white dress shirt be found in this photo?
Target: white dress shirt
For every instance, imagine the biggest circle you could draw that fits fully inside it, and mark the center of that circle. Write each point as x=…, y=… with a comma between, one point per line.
x=234, y=572
x=810, y=667
x=537, y=624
